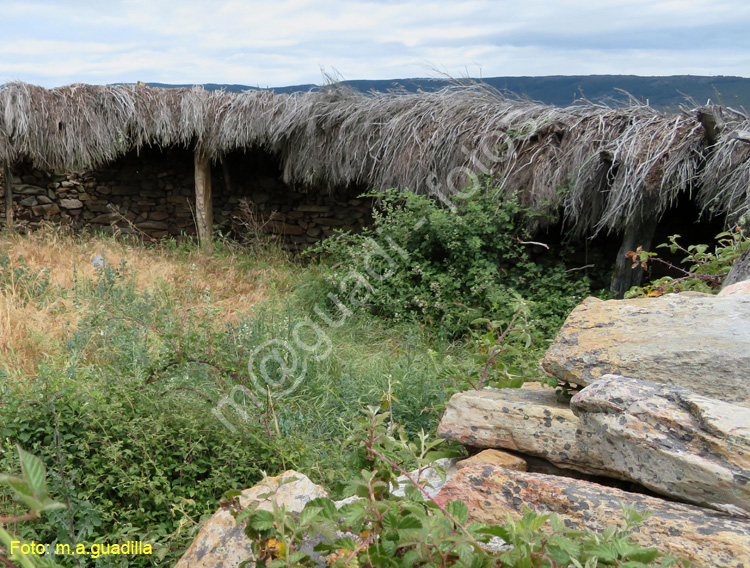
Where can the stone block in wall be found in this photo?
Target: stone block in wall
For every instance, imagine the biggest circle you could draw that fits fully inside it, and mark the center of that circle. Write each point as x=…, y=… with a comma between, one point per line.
x=158, y=215
x=97, y=206
x=25, y=189
x=152, y=226
x=125, y=190
x=46, y=210
x=103, y=189
x=259, y=197
x=71, y=204
x=329, y=222
x=177, y=199
x=313, y=208
x=84, y=196
x=43, y=199
x=281, y=228
x=313, y=231
x=29, y=202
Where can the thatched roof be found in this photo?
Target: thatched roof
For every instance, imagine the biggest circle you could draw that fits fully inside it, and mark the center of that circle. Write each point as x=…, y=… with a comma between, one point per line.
x=598, y=166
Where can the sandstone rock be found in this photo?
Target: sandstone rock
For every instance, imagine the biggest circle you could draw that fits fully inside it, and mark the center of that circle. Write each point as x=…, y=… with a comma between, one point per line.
x=221, y=542
x=496, y=458
x=525, y=420
x=736, y=288
x=670, y=440
x=29, y=202
x=706, y=538
x=648, y=338
x=70, y=204
x=43, y=199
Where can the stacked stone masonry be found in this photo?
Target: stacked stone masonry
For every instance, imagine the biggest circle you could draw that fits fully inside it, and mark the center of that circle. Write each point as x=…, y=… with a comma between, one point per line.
x=153, y=192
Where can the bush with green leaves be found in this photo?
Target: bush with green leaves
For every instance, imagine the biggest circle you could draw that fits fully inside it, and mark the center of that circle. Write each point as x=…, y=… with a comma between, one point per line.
x=447, y=266
x=31, y=490
x=379, y=529
x=123, y=418
x=703, y=267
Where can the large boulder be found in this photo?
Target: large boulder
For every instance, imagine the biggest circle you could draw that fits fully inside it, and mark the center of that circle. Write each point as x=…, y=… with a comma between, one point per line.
x=706, y=538
x=697, y=341
x=670, y=440
x=221, y=542
x=675, y=442
x=526, y=420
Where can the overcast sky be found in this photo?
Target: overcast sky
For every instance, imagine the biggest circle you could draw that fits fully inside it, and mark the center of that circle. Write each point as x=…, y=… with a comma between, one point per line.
x=278, y=43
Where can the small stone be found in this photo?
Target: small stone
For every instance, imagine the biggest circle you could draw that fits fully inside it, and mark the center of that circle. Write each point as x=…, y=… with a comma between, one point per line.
x=70, y=204
x=158, y=215
x=496, y=458
x=43, y=199
x=29, y=202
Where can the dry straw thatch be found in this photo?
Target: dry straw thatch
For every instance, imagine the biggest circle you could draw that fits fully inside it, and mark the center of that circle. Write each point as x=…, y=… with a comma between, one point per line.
x=596, y=165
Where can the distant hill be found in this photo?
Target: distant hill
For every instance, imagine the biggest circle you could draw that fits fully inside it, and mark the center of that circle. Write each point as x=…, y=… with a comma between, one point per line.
x=661, y=92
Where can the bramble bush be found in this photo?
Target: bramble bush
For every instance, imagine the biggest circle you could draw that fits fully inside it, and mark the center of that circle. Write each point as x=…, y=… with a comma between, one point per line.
x=702, y=269
x=447, y=267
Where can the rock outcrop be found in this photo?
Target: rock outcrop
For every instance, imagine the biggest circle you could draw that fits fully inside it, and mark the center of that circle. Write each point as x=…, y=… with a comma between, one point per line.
x=697, y=341
x=666, y=438
x=526, y=420
x=669, y=439
x=221, y=542
x=706, y=538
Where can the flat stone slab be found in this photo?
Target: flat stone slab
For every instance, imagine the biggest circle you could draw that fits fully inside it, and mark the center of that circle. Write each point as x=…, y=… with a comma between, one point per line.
x=497, y=458
x=530, y=421
x=670, y=440
x=697, y=341
x=706, y=538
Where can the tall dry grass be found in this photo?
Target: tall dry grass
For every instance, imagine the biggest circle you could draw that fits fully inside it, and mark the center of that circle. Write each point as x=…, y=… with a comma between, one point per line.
x=33, y=330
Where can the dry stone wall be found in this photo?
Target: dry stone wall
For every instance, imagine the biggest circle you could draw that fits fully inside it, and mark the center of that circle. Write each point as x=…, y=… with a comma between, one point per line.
x=153, y=192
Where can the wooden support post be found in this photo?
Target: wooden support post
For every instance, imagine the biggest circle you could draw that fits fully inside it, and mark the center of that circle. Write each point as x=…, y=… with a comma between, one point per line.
x=638, y=233
x=203, y=203
x=8, y=175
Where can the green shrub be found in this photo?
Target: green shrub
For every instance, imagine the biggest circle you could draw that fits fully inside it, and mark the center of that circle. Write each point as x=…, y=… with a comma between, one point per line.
x=447, y=267
x=702, y=268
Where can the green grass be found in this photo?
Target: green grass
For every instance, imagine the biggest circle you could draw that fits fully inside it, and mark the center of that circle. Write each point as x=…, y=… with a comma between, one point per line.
x=117, y=397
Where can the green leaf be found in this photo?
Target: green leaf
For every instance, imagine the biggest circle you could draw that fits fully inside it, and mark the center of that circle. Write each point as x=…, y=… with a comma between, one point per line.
x=327, y=507
x=261, y=521
x=459, y=510
x=409, y=522
x=500, y=532
x=308, y=514
x=33, y=471
x=353, y=513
